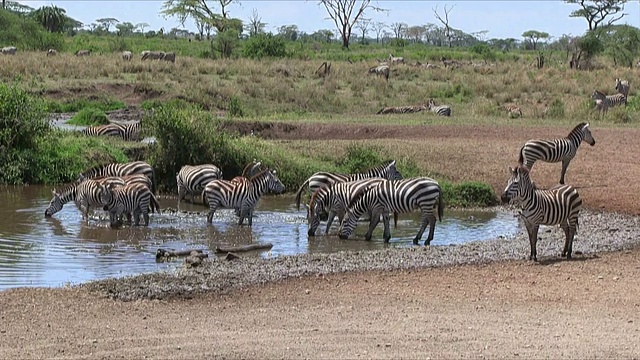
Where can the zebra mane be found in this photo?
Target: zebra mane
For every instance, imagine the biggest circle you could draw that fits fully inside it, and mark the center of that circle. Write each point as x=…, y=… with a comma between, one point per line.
x=94, y=169
x=578, y=128
x=358, y=195
x=65, y=188
x=261, y=173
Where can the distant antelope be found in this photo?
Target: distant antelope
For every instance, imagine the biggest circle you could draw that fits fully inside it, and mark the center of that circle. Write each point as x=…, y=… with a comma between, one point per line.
x=380, y=70
x=394, y=60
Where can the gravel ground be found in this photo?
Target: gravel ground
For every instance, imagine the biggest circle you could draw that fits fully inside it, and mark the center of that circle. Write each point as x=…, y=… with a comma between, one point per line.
x=598, y=232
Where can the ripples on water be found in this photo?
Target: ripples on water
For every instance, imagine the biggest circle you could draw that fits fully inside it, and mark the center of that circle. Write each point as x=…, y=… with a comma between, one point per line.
x=39, y=251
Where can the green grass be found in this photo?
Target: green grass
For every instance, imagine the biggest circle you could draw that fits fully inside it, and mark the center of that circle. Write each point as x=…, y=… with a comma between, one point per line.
x=88, y=117
x=77, y=104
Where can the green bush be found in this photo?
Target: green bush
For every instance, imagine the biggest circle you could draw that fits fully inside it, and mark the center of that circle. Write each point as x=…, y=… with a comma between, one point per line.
x=359, y=158
x=89, y=117
x=26, y=34
x=556, y=109
x=264, y=45
x=235, y=107
x=468, y=194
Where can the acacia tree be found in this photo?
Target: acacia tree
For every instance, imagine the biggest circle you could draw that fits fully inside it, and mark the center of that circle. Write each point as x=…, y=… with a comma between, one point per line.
x=534, y=36
x=363, y=26
x=142, y=26
x=199, y=11
x=398, y=28
x=106, y=23
x=445, y=22
x=598, y=11
x=378, y=27
x=345, y=14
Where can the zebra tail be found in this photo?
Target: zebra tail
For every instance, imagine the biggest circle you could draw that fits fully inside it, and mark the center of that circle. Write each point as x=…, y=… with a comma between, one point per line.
x=440, y=206
x=155, y=204
x=153, y=182
x=380, y=112
x=204, y=198
x=299, y=193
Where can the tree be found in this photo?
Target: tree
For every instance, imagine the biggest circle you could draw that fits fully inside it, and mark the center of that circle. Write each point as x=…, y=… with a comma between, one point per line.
x=378, y=27
x=598, y=11
x=142, y=26
x=255, y=25
x=288, y=32
x=343, y=15
x=16, y=7
x=198, y=10
x=363, y=26
x=397, y=28
x=51, y=18
x=445, y=21
x=106, y=23
x=534, y=36
x=126, y=28
x=621, y=42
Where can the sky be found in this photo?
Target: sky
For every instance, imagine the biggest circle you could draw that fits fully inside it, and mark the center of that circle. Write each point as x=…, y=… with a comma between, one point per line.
x=502, y=19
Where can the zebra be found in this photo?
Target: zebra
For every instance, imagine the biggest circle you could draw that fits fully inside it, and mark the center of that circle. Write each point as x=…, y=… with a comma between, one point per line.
x=83, y=53
x=132, y=199
x=193, y=179
x=120, y=169
x=552, y=151
x=400, y=196
x=132, y=179
x=514, y=111
x=127, y=55
x=130, y=131
x=609, y=100
x=334, y=199
x=103, y=130
x=409, y=109
x=231, y=195
x=52, y=52
x=170, y=56
x=380, y=70
x=386, y=171
x=442, y=110
x=559, y=205
x=9, y=50
x=393, y=60
x=249, y=171
x=622, y=87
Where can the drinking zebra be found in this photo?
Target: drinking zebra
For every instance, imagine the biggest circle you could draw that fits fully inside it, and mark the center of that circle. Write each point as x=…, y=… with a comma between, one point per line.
x=386, y=171
x=559, y=205
x=609, y=100
x=442, y=110
x=380, y=70
x=128, y=180
x=552, y=151
x=132, y=199
x=400, y=196
x=409, y=109
x=121, y=169
x=622, y=87
x=243, y=195
x=193, y=179
x=334, y=199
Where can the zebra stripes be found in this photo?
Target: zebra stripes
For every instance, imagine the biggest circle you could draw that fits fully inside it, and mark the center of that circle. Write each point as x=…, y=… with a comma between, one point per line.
x=243, y=195
x=133, y=199
x=250, y=170
x=622, y=87
x=409, y=109
x=121, y=169
x=334, y=199
x=559, y=205
x=128, y=132
x=552, y=151
x=441, y=110
x=386, y=171
x=192, y=179
x=609, y=100
x=399, y=196
x=380, y=70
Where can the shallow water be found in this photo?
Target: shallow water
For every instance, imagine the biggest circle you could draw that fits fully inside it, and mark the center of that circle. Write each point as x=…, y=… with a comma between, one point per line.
x=39, y=251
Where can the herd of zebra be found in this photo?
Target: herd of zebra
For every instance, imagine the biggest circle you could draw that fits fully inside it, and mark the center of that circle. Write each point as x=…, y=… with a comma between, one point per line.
x=127, y=132
x=604, y=102
x=129, y=188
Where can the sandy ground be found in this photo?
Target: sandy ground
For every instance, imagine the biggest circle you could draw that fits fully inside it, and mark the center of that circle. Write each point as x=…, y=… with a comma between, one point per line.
x=569, y=309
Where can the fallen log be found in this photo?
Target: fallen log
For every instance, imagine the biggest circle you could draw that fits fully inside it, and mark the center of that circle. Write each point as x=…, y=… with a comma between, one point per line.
x=243, y=248
x=162, y=253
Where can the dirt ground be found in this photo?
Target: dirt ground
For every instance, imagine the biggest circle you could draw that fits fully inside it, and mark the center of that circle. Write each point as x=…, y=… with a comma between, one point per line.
x=577, y=309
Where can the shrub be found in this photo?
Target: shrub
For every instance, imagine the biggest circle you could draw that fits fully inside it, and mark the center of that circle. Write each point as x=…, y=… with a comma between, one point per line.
x=22, y=119
x=26, y=34
x=556, y=109
x=88, y=117
x=235, y=107
x=74, y=105
x=264, y=45
x=359, y=158
x=468, y=194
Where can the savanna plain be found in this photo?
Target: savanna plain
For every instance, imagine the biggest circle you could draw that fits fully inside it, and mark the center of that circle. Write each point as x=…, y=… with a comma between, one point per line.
x=581, y=308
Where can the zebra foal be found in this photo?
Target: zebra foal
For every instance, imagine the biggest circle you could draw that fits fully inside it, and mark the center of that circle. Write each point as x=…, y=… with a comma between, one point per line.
x=399, y=196
x=242, y=195
x=129, y=199
x=192, y=179
x=441, y=110
x=552, y=151
x=385, y=171
x=559, y=205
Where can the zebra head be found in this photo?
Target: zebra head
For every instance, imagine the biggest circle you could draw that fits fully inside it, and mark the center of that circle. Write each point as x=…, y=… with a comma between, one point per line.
x=392, y=172
x=587, y=135
x=274, y=184
x=55, y=204
x=355, y=210
x=315, y=208
x=597, y=95
x=518, y=187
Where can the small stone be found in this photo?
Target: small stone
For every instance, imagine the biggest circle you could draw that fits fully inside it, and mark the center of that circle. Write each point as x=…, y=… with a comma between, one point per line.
x=95, y=341
x=387, y=345
x=307, y=291
x=600, y=277
x=615, y=278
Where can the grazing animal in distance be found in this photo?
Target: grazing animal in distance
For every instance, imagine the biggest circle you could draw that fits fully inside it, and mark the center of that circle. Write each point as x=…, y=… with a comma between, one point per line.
x=622, y=87
x=380, y=70
x=396, y=60
x=127, y=55
x=153, y=55
x=559, y=205
x=441, y=110
x=609, y=100
x=9, y=50
x=83, y=52
x=409, y=109
x=52, y=52
x=552, y=151
x=170, y=56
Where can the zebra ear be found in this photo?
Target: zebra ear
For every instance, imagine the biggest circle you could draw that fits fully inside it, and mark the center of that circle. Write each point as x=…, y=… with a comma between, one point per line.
x=587, y=125
x=393, y=163
x=53, y=191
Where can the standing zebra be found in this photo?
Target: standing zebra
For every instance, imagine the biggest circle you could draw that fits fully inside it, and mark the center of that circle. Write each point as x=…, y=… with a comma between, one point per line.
x=250, y=170
x=559, y=205
x=130, y=131
x=442, y=110
x=380, y=70
x=386, y=171
x=552, y=151
x=400, y=196
x=193, y=179
x=335, y=198
x=133, y=199
x=103, y=130
x=243, y=195
x=622, y=87
x=121, y=169
x=609, y=100
x=128, y=180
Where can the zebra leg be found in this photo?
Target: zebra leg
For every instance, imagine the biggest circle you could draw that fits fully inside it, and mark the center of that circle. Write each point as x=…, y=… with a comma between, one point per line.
x=250, y=219
x=145, y=215
x=136, y=216
x=430, y=219
x=533, y=240
x=565, y=164
x=373, y=222
x=567, y=239
x=386, y=235
x=332, y=215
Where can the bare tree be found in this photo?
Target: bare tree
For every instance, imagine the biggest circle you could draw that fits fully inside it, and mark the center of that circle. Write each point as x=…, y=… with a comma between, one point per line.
x=346, y=13
x=597, y=11
x=363, y=26
x=378, y=27
x=445, y=22
x=398, y=28
x=255, y=26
